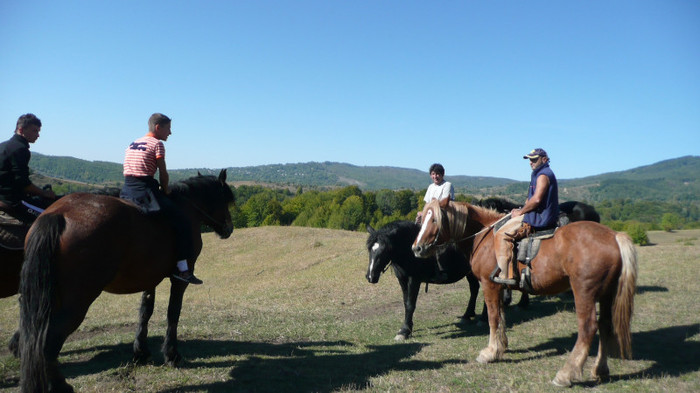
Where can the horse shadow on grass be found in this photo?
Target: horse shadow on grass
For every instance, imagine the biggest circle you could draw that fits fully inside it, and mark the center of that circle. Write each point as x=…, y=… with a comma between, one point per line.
x=539, y=307
x=323, y=366
x=669, y=349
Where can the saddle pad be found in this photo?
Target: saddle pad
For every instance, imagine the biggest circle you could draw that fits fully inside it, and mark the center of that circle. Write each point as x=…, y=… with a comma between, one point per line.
x=12, y=232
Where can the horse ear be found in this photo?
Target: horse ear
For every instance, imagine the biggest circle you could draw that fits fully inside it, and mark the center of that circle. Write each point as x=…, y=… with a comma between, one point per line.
x=222, y=176
x=370, y=229
x=444, y=202
x=199, y=173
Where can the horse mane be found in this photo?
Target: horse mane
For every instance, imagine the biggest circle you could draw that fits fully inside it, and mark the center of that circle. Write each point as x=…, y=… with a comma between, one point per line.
x=388, y=231
x=204, y=188
x=457, y=214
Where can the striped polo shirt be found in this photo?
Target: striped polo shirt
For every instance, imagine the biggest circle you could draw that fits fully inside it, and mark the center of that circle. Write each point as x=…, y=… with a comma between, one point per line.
x=141, y=155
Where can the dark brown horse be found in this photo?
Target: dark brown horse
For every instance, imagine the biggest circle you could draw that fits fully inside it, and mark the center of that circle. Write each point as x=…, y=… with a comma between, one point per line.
x=85, y=244
x=10, y=266
x=12, y=256
x=597, y=263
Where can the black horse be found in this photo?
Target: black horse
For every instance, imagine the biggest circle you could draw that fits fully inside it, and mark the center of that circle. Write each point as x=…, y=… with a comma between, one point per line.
x=391, y=244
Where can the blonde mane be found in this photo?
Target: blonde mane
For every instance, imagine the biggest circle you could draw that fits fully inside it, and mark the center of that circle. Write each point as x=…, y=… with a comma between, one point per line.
x=457, y=214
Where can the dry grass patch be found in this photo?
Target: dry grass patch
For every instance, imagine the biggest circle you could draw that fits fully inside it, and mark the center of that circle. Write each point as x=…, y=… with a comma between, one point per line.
x=288, y=309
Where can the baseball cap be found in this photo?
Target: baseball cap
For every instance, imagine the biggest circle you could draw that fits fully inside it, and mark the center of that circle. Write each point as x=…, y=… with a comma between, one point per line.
x=535, y=153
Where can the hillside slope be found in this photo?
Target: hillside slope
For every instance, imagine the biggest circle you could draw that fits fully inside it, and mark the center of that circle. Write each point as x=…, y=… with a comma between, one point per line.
x=670, y=180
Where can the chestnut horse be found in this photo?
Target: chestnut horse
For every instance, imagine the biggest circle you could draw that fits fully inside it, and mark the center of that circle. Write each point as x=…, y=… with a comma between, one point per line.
x=597, y=263
x=85, y=244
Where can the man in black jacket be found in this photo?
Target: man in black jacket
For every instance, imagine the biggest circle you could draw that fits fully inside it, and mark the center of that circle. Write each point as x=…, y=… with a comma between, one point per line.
x=15, y=185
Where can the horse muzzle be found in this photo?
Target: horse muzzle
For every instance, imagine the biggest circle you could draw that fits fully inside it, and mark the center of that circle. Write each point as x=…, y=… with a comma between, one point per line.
x=372, y=278
x=226, y=231
x=421, y=251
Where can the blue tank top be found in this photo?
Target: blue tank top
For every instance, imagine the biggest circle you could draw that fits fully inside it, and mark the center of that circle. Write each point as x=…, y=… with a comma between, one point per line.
x=546, y=214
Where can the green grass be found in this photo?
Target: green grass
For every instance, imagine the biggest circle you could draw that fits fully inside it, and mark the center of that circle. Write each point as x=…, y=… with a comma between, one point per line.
x=287, y=309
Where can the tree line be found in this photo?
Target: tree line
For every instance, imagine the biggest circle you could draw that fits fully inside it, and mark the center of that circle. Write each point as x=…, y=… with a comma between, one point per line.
x=350, y=208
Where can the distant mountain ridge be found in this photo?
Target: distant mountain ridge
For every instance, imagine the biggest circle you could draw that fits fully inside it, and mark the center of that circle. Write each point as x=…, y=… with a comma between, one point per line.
x=670, y=180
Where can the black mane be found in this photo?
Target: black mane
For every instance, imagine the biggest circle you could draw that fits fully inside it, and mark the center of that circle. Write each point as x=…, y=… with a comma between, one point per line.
x=202, y=188
x=388, y=234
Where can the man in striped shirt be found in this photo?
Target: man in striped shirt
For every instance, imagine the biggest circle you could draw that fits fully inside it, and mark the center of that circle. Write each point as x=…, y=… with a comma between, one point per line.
x=143, y=157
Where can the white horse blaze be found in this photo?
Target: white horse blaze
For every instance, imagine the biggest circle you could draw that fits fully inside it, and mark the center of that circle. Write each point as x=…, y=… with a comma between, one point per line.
x=426, y=219
x=371, y=263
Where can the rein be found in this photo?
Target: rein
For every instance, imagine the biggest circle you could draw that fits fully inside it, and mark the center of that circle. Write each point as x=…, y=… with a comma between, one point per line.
x=442, y=247
x=204, y=213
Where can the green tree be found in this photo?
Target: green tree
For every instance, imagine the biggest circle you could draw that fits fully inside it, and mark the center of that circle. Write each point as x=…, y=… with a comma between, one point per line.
x=386, y=202
x=671, y=221
x=349, y=216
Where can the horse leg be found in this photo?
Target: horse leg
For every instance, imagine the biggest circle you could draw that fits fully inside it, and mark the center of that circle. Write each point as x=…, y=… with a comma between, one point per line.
x=473, y=294
x=606, y=342
x=410, y=287
x=524, y=300
x=141, y=351
x=63, y=322
x=13, y=345
x=177, y=291
x=498, y=342
x=587, y=326
x=484, y=315
x=507, y=296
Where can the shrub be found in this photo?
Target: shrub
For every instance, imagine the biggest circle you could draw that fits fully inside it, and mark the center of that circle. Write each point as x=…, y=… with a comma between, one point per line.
x=638, y=233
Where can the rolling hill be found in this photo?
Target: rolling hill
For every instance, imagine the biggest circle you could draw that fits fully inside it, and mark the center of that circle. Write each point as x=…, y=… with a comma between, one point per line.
x=670, y=180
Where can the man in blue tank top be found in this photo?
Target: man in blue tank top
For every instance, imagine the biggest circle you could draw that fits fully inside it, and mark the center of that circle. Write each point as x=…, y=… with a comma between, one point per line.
x=540, y=212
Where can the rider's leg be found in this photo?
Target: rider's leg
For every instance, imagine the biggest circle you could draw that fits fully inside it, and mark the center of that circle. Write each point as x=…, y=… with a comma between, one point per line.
x=503, y=245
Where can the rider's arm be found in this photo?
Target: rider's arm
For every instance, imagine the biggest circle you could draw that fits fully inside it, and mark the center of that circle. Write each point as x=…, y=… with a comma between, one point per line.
x=163, y=177
x=532, y=203
x=34, y=190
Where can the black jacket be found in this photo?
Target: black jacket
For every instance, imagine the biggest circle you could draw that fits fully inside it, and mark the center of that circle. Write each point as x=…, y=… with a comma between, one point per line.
x=14, y=169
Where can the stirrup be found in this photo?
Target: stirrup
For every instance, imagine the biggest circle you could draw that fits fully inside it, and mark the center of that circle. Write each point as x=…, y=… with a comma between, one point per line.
x=503, y=281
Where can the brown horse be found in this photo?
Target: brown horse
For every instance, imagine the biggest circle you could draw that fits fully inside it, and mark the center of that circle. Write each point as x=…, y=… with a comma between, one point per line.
x=597, y=263
x=85, y=244
x=10, y=266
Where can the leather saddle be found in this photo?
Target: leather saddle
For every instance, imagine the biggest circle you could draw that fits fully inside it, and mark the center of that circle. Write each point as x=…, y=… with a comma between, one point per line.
x=528, y=247
x=12, y=232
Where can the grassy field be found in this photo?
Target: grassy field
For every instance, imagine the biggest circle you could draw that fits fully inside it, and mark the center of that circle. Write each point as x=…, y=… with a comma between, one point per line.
x=286, y=309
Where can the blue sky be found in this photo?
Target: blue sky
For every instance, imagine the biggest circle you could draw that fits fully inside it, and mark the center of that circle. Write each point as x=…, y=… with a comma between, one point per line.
x=602, y=85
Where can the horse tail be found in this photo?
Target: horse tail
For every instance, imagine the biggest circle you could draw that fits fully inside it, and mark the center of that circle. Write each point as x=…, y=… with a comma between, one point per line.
x=623, y=304
x=36, y=289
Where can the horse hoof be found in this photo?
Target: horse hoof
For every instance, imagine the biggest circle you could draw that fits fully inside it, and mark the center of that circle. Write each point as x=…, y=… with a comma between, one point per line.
x=61, y=387
x=484, y=359
x=561, y=383
x=141, y=358
x=173, y=360
x=400, y=337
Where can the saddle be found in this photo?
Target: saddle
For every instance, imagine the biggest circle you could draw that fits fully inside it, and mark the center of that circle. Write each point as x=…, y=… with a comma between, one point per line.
x=527, y=249
x=529, y=246
x=12, y=232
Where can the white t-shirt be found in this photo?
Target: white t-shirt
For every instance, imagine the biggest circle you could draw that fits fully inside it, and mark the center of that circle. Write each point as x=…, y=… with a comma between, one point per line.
x=440, y=192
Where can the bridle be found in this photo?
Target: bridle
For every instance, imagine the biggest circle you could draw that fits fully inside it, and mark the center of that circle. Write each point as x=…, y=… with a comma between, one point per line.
x=442, y=247
x=204, y=213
